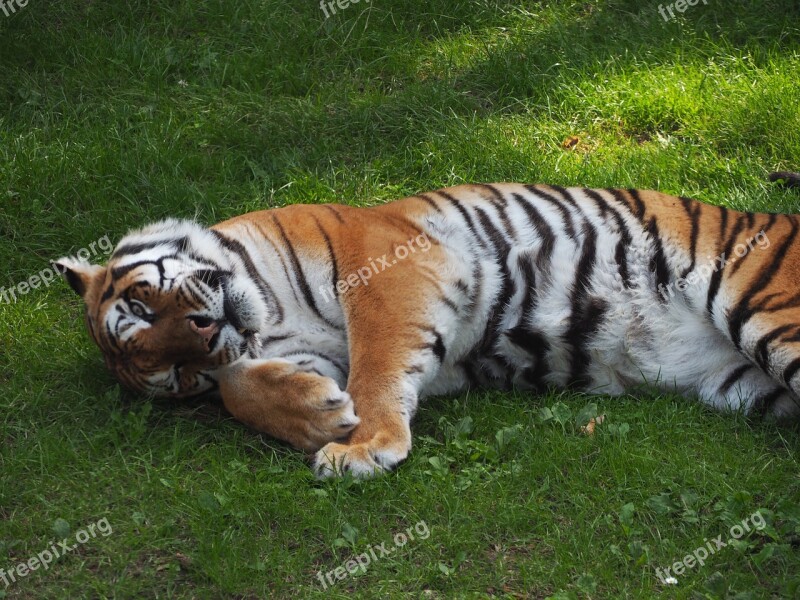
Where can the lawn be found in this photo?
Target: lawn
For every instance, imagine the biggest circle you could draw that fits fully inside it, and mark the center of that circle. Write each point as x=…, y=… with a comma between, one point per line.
x=115, y=114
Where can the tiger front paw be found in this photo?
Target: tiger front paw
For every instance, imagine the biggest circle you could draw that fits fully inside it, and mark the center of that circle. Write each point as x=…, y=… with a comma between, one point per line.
x=275, y=397
x=331, y=417
x=362, y=460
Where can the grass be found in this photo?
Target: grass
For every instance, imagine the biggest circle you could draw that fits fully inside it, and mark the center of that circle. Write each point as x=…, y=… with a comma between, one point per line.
x=119, y=113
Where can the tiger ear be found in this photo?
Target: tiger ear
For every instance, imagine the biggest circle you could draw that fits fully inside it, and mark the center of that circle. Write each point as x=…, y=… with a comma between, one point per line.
x=80, y=275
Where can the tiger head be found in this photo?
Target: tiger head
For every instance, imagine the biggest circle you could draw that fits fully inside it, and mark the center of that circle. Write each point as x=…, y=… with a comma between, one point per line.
x=172, y=306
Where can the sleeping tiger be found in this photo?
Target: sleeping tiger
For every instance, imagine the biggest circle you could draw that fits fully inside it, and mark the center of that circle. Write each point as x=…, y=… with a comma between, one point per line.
x=323, y=325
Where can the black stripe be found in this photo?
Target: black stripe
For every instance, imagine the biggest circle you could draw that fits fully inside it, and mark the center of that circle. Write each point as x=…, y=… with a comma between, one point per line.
x=625, y=241
x=531, y=341
x=716, y=276
x=339, y=366
x=437, y=346
x=181, y=298
x=171, y=245
x=449, y=303
x=498, y=195
x=750, y=220
x=108, y=293
x=499, y=202
x=791, y=371
x=464, y=215
x=112, y=338
x=439, y=349
x=792, y=302
x=278, y=253
x=495, y=236
x=566, y=195
x=300, y=275
x=118, y=272
x=584, y=325
x=586, y=313
x=267, y=294
x=529, y=285
x=740, y=260
x=468, y=366
x=430, y=201
x=761, y=351
x=658, y=262
x=763, y=404
x=692, y=209
x=585, y=267
x=507, y=290
x=486, y=347
x=275, y=338
x=335, y=212
x=209, y=378
x=331, y=255
x=733, y=378
x=743, y=310
x=723, y=221
x=187, y=288
x=640, y=208
x=211, y=277
x=402, y=222
x=475, y=291
x=620, y=198
x=565, y=214
x=537, y=345
x=773, y=218
x=543, y=229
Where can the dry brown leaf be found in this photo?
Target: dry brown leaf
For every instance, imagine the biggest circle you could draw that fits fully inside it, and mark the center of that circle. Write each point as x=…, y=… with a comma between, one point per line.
x=588, y=429
x=571, y=142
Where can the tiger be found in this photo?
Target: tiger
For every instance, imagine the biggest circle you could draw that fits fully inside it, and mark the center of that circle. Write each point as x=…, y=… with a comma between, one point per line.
x=323, y=325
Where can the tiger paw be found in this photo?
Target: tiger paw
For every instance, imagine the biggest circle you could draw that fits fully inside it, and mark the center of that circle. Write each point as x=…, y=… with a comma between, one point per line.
x=333, y=418
x=362, y=460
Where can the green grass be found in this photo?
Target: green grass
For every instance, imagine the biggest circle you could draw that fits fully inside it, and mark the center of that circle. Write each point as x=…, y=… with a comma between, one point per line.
x=119, y=113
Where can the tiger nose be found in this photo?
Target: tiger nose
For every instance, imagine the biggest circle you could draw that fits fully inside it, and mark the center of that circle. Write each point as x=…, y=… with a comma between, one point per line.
x=206, y=328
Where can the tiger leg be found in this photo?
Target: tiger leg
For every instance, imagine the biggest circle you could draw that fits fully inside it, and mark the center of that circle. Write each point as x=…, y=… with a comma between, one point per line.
x=754, y=301
x=396, y=344
x=771, y=339
x=278, y=398
x=694, y=357
x=743, y=385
